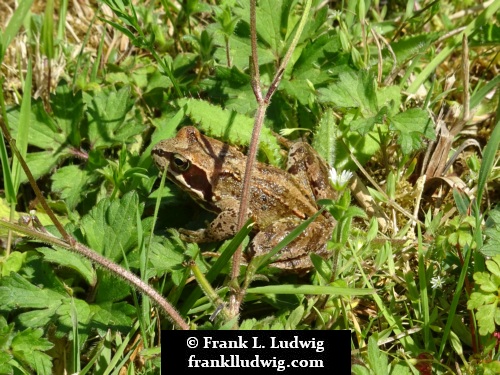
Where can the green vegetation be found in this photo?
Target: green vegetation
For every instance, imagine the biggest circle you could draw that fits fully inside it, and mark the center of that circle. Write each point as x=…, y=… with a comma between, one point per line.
x=403, y=94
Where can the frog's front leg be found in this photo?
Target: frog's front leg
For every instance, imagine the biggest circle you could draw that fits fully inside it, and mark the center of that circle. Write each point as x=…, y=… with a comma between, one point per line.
x=224, y=226
x=294, y=256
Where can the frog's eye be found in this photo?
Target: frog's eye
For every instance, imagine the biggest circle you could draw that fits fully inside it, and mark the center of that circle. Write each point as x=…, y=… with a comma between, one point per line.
x=180, y=162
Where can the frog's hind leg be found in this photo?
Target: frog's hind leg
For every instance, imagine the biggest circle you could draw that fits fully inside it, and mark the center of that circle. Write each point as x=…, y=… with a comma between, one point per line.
x=294, y=256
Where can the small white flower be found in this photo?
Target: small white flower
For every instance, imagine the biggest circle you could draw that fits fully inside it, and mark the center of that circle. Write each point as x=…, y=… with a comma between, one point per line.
x=339, y=181
x=437, y=282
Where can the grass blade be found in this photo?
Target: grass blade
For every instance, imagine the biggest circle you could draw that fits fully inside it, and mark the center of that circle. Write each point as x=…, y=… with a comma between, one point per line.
x=310, y=289
x=486, y=16
x=48, y=30
x=424, y=298
x=481, y=93
x=14, y=25
x=488, y=157
x=61, y=26
x=456, y=298
x=24, y=126
x=217, y=266
x=10, y=193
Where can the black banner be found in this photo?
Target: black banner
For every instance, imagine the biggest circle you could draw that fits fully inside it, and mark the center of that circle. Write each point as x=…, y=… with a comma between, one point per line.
x=256, y=352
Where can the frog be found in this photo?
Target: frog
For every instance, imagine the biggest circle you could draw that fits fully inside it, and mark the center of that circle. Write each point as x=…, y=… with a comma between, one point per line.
x=211, y=172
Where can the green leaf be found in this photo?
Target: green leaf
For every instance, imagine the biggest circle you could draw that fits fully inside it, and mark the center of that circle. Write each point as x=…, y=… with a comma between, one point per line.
x=44, y=132
x=108, y=314
x=70, y=182
x=240, y=49
x=494, y=216
x=389, y=97
x=360, y=370
x=110, y=288
x=490, y=249
x=67, y=109
x=6, y=361
x=71, y=260
x=110, y=227
x=65, y=315
x=28, y=347
x=354, y=211
x=157, y=81
x=164, y=256
x=378, y=360
x=481, y=93
x=363, y=125
x=15, y=291
x=13, y=263
x=272, y=18
x=461, y=201
x=354, y=90
x=322, y=267
x=106, y=114
x=234, y=85
x=410, y=126
x=400, y=369
x=478, y=299
x=325, y=139
x=225, y=19
x=38, y=318
x=481, y=278
x=50, y=134
x=489, y=286
x=492, y=367
x=248, y=324
x=485, y=318
x=230, y=127
x=303, y=90
x=493, y=266
x=497, y=316
x=295, y=318
x=314, y=64
x=6, y=332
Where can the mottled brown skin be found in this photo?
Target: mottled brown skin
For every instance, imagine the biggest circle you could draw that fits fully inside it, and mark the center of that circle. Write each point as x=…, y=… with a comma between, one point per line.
x=211, y=172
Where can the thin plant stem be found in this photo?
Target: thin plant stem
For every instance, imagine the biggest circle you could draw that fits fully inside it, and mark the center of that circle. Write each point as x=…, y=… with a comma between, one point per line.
x=103, y=262
x=236, y=295
x=32, y=181
x=68, y=242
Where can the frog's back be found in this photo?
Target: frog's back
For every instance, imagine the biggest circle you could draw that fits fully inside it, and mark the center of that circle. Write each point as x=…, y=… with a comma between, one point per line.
x=276, y=194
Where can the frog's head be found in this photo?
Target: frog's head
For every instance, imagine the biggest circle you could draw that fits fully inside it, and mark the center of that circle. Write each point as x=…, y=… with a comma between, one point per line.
x=192, y=161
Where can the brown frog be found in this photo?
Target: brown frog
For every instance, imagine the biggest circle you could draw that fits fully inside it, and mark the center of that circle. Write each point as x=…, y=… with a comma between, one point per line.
x=212, y=173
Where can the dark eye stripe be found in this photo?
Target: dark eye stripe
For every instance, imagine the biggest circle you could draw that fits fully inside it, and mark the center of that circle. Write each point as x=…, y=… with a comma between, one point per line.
x=197, y=180
x=159, y=151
